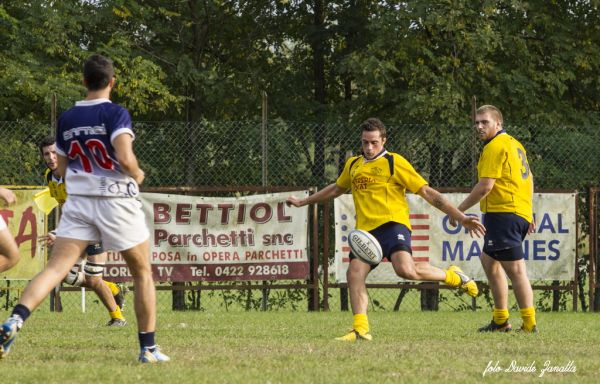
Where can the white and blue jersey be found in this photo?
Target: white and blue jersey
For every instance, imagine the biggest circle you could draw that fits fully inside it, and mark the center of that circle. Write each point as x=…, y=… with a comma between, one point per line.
x=85, y=134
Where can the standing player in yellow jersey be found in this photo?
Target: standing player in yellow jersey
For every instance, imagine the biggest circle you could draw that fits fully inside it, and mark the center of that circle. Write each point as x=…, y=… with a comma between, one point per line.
x=87, y=272
x=9, y=251
x=378, y=180
x=505, y=193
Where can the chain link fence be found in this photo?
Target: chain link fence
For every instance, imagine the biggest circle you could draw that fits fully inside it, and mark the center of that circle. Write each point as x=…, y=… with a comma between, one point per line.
x=290, y=153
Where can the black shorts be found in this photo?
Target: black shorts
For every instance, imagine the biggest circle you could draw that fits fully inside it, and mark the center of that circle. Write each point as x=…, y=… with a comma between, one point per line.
x=392, y=237
x=94, y=249
x=504, y=235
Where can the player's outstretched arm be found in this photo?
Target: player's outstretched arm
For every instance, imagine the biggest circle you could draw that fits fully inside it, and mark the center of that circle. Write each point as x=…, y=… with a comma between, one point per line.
x=436, y=199
x=329, y=192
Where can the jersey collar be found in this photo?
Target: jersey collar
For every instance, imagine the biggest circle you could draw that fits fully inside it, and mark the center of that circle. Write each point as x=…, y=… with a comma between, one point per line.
x=54, y=177
x=88, y=103
x=497, y=133
x=382, y=153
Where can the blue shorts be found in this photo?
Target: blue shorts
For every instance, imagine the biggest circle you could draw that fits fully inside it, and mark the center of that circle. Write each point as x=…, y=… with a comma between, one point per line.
x=94, y=249
x=504, y=235
x=392, y=237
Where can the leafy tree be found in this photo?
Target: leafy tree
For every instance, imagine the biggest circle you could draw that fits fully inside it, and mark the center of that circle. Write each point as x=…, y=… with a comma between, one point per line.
x=45, y=46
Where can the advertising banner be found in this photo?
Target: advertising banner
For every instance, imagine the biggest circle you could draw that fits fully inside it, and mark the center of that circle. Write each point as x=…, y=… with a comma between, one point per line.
x=26, y=222
x=549, y=252
x=196, y=238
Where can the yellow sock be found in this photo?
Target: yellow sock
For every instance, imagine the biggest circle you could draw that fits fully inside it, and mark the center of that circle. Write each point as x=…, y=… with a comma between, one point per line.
x=116, y=314
x=528, y=316
x=452, y=279
x=114, y=288
x=500, y=316
x=361, y=323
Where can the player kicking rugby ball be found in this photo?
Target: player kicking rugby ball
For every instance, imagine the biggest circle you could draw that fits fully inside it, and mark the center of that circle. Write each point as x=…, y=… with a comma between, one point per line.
x=379, y=180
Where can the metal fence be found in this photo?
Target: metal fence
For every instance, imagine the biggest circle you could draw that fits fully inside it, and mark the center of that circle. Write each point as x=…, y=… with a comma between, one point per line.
x=300, y=153
x=226, y=155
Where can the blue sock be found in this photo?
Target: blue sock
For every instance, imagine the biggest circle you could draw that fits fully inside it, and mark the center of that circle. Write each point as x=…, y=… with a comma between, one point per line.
x=147, y=340
x=22, y=311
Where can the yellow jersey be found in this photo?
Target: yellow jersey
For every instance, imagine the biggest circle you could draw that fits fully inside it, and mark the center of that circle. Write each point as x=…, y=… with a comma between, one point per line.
x=57, y=187
x=503, y=158
x=379, y=188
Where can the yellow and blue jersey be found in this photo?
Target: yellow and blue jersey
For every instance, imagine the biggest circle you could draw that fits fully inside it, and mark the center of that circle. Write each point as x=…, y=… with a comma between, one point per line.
x=504, y=159
x=379, y=188
x=57, y=187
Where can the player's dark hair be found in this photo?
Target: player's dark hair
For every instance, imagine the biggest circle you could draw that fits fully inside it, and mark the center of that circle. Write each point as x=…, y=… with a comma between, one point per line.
x=98, y=70
x=374, y=124
x=45, y=142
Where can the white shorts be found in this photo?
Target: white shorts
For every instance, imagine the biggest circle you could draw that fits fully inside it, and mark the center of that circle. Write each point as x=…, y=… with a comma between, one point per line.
x=2, y=223
x=118, y=222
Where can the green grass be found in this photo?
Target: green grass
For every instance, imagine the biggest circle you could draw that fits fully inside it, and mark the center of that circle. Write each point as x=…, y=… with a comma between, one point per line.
x=298, y=347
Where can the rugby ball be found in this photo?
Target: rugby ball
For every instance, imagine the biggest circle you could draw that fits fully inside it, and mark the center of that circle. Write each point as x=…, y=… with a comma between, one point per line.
x=365, y=246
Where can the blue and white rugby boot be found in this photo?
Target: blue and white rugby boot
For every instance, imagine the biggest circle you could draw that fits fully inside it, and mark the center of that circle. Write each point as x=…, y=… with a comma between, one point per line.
x=8, y=334
x=152, y=355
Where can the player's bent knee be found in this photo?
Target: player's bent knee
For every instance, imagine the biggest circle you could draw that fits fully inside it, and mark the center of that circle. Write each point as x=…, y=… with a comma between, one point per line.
x=93, y=270
x=406, y=273
x=15, y=257
x=10, y=252
x=12, y=259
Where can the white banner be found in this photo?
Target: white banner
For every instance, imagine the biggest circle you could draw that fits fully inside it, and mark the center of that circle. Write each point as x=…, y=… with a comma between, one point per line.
x=192, y=238
x=550, y=252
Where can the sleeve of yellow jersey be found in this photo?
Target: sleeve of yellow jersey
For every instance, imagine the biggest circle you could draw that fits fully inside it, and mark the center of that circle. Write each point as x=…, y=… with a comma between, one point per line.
x=492, y=158
x=407, y=175
x=343, y=179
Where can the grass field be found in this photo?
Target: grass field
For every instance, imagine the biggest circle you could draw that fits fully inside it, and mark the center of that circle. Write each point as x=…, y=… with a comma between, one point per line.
x=298, y=347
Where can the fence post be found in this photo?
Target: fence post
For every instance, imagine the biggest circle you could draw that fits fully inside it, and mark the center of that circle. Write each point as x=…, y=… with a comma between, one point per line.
x=265, y=177
x=264, y=139
x=474, y=160
x=474, y=157
x=314, y=298
x=55, y=300
x=325, y=257
x=593, y=242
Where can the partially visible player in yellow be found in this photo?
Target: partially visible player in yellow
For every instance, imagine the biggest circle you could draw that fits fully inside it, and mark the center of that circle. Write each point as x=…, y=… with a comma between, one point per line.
x=9, y=251
x=90, y=267
x=504, y=193
x=379, y=180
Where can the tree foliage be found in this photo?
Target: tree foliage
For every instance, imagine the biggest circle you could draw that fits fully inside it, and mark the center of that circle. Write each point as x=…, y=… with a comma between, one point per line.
x=43, y=51
x=327, y=63
x=409, y=61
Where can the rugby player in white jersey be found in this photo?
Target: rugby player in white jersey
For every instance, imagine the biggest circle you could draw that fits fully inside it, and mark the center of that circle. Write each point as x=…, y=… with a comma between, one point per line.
x=88, y=270
x=94, y=143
